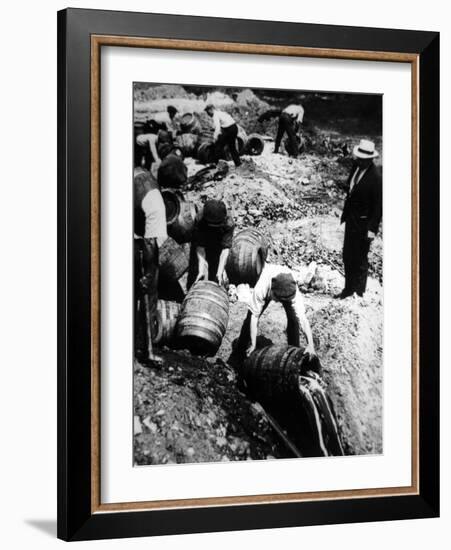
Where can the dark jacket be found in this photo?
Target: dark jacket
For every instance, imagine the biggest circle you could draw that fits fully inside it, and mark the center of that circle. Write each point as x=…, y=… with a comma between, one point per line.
x=363, y=205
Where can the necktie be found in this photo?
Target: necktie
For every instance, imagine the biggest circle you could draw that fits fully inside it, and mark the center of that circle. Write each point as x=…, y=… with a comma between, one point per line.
x=355, y=179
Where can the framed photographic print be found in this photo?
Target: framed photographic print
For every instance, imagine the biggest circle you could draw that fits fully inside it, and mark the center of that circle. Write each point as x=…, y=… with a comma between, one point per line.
x=248, y=274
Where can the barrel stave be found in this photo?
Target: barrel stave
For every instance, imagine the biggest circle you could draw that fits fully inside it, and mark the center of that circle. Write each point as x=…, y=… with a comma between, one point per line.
x=181, y=216
x=255, y=145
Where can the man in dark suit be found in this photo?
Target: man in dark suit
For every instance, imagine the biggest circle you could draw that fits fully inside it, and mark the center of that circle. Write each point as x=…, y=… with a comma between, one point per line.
x=362, y=214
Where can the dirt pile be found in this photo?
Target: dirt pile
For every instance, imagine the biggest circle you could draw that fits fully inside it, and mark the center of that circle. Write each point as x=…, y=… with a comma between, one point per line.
x=144, y=92
x=191, y=410
x=348, y=336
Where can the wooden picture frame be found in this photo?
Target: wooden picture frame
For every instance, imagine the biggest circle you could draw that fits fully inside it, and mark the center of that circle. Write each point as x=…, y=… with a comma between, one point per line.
x=81, y=35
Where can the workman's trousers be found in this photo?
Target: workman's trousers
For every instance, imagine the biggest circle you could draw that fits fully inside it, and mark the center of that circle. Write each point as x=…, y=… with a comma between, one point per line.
x=287, y=124
x=143, y=156
x=228, y=137
x=355, y=260
x=293, y=327
x=146, y=291
x=212, y=256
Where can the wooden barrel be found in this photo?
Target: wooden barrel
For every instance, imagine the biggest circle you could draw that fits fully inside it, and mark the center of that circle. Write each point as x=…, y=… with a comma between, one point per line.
x=187, y=143
x=288, y=147
x=203, y=319
x=247, y=257
x=189, y=123
x=271, y=373
x=206, y=152
x=180, y=215
x=174, y=259
x=165, y=322
x=254, y=145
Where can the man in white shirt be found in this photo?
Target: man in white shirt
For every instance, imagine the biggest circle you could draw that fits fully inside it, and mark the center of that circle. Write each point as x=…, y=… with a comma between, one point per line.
x=290, y=121
x=150, y=233
x=275, y=283
x=225, y=132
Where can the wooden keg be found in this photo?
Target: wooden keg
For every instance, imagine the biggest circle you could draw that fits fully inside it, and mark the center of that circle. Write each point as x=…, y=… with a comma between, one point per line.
x=174, y=259
x=203, y=319
x=254, y=145
x=189, y=123
x=271, y=373
x=181, y=216
x=187, y=143
x=247, y=257
x=165, y=322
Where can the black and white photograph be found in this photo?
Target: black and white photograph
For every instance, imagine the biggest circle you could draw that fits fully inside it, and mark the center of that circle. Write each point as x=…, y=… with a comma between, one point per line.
x=258, y=274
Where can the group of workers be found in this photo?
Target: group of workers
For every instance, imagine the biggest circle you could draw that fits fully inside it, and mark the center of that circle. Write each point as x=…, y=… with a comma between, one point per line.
x=214, y=228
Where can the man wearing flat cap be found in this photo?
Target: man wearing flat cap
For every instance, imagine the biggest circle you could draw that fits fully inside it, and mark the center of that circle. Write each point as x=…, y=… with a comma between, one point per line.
x=276, y=283
x=211, y=243
x=362, y=214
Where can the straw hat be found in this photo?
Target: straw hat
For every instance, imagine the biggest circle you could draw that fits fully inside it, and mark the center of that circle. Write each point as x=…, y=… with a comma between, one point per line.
x=365, y=150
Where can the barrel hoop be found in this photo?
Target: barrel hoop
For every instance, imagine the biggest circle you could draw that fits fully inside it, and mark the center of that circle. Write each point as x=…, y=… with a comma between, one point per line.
x=202, y=317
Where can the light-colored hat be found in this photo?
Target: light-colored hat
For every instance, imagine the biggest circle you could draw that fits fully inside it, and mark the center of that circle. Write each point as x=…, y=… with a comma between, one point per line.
x=365, y=150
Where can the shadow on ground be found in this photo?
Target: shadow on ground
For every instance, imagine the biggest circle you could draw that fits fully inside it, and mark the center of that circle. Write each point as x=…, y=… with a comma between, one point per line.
x=46, y=526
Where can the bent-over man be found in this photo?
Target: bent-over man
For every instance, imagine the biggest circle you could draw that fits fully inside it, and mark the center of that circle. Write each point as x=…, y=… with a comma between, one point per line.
x=211, y=243
x=166, y=120
x=225, y=132
x=290, y=121
x=276, y=283
x=150, y=233
x=362, y=214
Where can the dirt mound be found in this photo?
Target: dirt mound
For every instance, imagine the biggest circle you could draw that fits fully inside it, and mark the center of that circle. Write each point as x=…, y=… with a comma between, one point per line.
x=348, y=336
x=320, y=239
x=148, y=92
x=191, y=410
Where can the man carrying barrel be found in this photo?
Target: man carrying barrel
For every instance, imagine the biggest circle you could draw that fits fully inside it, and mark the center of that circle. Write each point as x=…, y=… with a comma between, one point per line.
x=275, y=283
x=225, y=132
x=211, y=243
x=150, y=233
x=290, y=121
